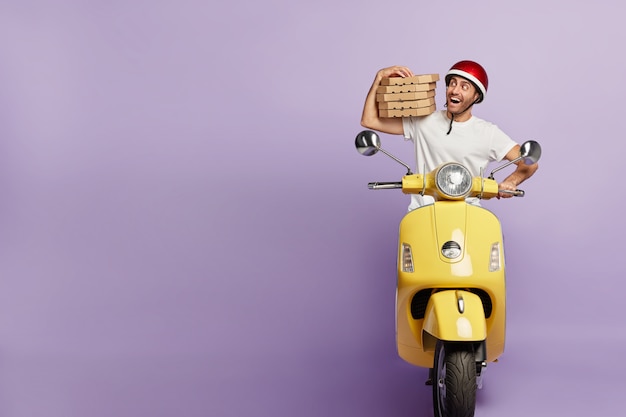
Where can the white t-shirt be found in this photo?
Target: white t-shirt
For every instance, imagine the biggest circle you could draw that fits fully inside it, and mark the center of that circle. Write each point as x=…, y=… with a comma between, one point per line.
x=474, y=143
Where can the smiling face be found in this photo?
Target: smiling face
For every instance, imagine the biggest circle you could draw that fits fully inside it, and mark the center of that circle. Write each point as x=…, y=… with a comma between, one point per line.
x=461, y=94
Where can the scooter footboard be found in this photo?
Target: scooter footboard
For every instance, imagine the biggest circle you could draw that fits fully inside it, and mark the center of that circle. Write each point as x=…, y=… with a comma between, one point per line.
x=454, y=315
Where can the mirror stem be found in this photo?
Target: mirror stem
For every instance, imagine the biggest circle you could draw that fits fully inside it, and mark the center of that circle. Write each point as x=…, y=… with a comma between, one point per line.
x=504, y=166
x=408, y=169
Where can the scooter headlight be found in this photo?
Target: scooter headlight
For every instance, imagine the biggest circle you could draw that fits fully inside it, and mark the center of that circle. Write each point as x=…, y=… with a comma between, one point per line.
x=453, y=180
x=451, y=250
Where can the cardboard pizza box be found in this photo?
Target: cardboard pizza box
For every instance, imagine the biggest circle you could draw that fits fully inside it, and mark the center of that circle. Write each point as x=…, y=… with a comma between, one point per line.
x=416, y=79
x=401, y=105
x=418, y=95
x=423, y=111
x=403, y=96
x=405, y=88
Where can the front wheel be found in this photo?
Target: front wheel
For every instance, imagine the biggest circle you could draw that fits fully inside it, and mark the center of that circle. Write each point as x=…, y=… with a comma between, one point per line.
x=454, y=380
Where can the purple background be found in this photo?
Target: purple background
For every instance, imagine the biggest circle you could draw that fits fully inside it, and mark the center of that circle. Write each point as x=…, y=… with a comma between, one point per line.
x=185, y=228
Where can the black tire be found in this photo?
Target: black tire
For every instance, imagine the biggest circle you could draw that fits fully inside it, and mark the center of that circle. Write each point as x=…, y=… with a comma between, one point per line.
x=454, y=380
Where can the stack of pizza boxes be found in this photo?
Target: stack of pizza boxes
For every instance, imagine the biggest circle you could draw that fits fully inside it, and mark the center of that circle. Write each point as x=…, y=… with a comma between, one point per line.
x=407, y=96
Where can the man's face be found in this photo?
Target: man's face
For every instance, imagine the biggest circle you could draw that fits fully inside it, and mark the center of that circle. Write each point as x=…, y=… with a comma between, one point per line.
x=460, y=94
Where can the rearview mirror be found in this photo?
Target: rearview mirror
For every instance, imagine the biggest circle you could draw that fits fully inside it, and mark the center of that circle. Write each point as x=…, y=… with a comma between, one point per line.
x=530, y=152
x=367, y=143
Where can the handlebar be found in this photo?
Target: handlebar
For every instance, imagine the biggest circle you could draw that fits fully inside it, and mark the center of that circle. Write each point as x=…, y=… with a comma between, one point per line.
x=384, y=185
x=398, y=184
x=516, y=193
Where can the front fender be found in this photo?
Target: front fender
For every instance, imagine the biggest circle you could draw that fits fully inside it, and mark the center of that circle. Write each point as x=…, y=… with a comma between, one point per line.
x=455, y=316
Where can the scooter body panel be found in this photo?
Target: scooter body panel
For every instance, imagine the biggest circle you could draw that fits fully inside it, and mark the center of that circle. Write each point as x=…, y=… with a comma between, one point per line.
x=425, y=309
x=455, y=315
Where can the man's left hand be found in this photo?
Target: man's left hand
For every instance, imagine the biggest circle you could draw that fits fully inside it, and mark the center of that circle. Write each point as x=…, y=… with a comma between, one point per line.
x=509, y=186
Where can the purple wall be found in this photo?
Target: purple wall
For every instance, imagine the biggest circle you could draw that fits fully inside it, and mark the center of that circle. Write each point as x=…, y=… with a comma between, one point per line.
x=185, y=228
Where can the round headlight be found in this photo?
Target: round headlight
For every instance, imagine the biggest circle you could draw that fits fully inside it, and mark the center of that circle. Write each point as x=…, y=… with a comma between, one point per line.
x=454, y=180
x=451, y=249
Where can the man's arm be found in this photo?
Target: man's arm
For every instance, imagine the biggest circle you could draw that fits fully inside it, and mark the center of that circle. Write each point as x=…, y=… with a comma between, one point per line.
x=370, y=118
x=521, y=173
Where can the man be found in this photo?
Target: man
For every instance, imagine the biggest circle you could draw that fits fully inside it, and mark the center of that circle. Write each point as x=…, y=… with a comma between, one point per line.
x=453, y=134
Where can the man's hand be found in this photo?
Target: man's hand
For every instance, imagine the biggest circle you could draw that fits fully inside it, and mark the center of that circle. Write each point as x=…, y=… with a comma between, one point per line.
x=521, y=173
x=508, y=186
x=397, y=70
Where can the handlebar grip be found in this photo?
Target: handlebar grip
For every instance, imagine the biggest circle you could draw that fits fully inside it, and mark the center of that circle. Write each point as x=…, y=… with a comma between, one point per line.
x=516, y=193
x=384, y=185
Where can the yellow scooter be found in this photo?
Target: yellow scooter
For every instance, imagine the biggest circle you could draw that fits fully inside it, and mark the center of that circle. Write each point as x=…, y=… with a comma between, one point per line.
x=450, y=298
